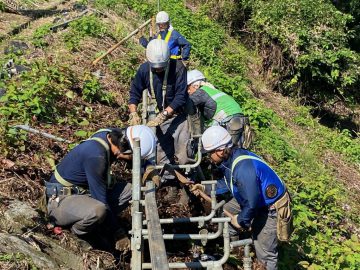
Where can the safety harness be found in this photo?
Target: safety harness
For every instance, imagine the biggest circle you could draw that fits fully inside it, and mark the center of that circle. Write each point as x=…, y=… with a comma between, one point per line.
x=66, y=183
x=235, y=162
x=167, y=39
x=163, y=86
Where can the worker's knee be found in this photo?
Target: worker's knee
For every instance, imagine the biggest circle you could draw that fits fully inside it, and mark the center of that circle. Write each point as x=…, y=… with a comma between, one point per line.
x=99, y=213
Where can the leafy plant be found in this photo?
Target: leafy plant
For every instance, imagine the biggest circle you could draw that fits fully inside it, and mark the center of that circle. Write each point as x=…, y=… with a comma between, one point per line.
x=38, y=37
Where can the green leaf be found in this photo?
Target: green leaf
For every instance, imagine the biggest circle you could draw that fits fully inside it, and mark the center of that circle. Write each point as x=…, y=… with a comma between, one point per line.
x=81, y=133
x=84, y=123
x=70, y=94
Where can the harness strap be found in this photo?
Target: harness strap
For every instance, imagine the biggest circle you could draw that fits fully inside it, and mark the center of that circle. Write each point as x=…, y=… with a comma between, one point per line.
x=235, y=162
x=66, y=183
x=163, y=86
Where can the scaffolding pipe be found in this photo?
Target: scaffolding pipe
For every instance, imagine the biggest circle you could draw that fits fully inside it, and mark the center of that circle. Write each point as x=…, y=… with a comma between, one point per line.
x=239, y=243
x=187, y=166
x=208, y=264
x=209, y=236
x=247, y=259
x=193, y=219
x=136, y=252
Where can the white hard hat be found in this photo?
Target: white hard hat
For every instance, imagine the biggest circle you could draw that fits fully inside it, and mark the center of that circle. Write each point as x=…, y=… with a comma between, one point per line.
x=146, y=136
x=194, y=76
x=162, y=17
x=158, y=53
x=215, y=137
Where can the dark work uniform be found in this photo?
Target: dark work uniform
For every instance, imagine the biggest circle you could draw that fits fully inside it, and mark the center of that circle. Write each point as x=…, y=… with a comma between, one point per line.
x=86, y=166
x=173, y=134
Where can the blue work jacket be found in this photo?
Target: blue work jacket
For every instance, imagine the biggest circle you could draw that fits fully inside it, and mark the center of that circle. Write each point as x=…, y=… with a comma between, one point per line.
x=249, y=184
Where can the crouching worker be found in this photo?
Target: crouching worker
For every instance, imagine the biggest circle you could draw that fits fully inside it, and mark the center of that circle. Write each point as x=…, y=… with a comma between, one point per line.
x=218, y=108
x=79, y=193
x=260, y=200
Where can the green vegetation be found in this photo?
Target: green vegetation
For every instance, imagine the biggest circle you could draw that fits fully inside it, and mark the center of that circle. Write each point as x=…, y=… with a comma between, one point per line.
x=305, y=45
x=306, y=53
x=17, y=261
x=38, y=38
x=326, y=241
x=90, y=26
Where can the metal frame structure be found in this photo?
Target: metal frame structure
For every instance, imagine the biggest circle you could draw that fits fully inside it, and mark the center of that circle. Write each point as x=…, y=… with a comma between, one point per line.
x=150, y=228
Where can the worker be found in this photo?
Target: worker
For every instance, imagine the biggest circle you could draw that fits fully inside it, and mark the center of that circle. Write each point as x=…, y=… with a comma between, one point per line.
x=178, y=45
x=218, y=108
x=79, y=192
x=165, y=79
x=260, y=201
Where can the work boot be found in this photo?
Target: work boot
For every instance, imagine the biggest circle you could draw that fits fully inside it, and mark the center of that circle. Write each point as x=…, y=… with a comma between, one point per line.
x=171, y=194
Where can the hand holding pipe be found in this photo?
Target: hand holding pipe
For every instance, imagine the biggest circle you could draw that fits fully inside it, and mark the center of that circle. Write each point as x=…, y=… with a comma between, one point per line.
x=185, y=181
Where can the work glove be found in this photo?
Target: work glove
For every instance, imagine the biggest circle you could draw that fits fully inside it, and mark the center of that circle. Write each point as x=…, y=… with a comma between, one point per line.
x=195, y=189
x=151, y=174
x=159, y=119
x=122, y=240
x=134, y=119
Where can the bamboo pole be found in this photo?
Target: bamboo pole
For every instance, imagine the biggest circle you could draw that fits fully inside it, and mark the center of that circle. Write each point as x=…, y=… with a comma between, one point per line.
x=121, y=42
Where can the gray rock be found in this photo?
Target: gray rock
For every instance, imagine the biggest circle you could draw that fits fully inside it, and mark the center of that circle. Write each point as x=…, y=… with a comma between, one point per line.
x=20, y=217
x=17, y=47
x=13, y=244
x=2, y=92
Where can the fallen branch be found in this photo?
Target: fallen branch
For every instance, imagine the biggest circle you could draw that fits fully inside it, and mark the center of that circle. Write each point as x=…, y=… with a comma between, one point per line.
x=121, y=42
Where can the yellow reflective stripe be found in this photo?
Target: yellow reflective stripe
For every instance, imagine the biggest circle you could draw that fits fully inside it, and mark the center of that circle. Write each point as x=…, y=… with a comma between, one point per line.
x=61, y=180
x=176, y=57
x=167, y=37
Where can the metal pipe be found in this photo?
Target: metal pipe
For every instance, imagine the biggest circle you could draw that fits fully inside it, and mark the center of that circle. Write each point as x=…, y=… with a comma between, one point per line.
x=44, y=134
x=187, y=166
x=208, y=182
x=192, y=219
x=247, y=259
x=136, y=252
x=209, y=264
x=184, y=236
x=239, y=243
x=136, y=242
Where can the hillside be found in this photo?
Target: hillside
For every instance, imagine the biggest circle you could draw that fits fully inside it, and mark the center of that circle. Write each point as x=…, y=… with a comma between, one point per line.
x=63, y=94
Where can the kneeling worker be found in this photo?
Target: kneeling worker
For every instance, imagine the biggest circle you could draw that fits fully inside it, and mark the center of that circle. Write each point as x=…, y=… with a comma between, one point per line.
x=78, y=192
x=260, y=200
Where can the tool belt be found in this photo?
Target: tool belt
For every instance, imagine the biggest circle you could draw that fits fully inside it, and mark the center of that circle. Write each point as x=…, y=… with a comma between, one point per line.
x=57, y=189
x=284, y=217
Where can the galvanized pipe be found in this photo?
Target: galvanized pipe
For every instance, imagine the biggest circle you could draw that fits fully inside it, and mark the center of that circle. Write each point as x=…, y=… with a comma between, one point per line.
x=187, y=166
x=192, y=219
x=136, y=239
x=239, y=243
x=247, y=259
x=184, y=236
x=209, y=264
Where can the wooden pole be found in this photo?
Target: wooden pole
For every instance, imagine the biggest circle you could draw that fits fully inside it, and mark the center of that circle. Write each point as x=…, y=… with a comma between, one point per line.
x=121, y=42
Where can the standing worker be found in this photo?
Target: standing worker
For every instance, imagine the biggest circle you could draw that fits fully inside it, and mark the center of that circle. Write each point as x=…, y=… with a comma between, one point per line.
x=218, y=108
x=260, y=200
x=165, y=79
x=79, y=193
x=178, y=45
